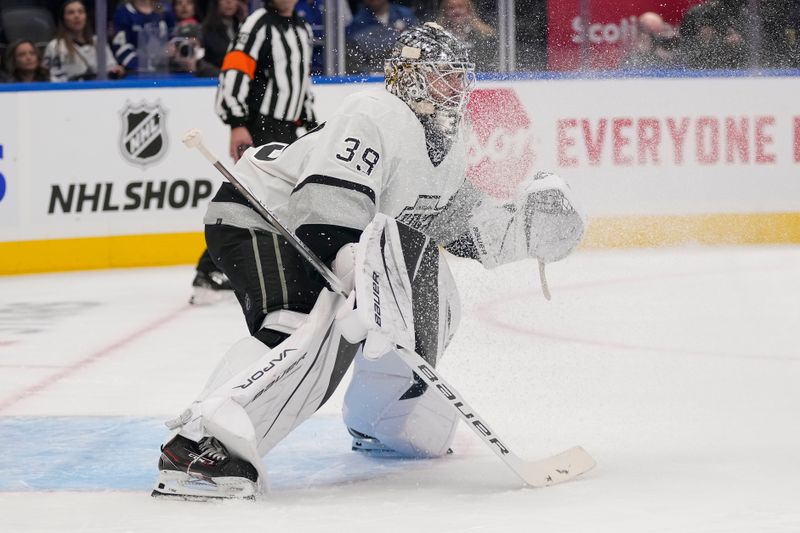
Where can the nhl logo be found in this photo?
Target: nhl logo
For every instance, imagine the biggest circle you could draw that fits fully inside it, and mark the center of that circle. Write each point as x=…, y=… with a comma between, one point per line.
x=144, y=138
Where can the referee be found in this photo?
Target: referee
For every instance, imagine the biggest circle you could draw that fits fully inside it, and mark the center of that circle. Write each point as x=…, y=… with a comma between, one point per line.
x=264, y=92
x=264, y=96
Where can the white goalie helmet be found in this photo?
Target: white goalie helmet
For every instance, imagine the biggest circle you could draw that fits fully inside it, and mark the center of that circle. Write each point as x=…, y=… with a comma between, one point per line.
x=429, y=69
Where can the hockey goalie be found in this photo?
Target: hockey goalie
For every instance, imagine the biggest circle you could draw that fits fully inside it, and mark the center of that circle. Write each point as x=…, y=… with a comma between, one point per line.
x=375, y=192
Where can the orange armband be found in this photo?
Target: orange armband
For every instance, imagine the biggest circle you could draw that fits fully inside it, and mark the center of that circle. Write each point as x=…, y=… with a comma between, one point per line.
x=238, y=60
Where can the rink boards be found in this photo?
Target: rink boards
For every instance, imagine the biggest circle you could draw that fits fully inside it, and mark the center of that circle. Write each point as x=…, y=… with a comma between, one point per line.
x=95, y=175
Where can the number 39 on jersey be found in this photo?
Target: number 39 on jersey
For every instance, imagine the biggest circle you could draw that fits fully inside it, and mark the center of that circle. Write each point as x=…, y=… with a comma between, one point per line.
x=363, y=160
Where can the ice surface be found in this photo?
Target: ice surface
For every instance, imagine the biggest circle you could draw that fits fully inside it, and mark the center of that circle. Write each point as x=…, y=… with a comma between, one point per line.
x=677, y=369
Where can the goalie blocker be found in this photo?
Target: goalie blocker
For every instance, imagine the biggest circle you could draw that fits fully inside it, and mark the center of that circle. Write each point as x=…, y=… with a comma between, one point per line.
x=256, y=395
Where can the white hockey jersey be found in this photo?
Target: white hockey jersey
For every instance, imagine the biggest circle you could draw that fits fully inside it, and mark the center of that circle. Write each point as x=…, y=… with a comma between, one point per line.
x=64, y=66
x=370, y=157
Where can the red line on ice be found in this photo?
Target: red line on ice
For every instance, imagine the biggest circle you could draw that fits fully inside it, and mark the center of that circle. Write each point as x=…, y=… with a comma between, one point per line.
x=90, y=359
x=485, y=312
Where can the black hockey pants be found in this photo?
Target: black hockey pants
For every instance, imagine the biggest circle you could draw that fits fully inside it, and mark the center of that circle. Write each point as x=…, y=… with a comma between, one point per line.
x=266, y=272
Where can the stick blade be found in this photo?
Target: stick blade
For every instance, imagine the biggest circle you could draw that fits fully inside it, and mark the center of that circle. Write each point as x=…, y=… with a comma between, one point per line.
x=559, y=468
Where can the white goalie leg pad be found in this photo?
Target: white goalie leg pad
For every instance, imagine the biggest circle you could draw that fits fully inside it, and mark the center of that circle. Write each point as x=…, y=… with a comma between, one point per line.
x=241, y=355
x=377, y=404
x=249, y=349
x=251, y=409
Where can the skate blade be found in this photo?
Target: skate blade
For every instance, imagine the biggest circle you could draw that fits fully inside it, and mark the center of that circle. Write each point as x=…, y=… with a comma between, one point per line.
x=183, y=486
x=372, y=447
x=203, y=296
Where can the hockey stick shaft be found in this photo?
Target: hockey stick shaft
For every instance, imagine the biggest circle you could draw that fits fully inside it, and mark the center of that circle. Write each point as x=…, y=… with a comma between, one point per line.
x=563, y=467
x=194, y=139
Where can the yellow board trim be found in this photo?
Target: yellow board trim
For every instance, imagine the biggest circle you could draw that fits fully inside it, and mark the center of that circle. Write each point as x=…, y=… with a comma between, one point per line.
x=650, y=231
x=100, y=252
x=604, y=232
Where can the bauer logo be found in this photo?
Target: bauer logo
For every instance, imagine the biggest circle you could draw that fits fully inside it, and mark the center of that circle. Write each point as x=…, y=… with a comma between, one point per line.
x=500, y=141
x=143, y=139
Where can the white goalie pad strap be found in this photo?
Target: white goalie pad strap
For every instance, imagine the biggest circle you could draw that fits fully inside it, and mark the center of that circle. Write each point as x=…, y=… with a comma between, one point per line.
x=344, y=265
x=543, y=222
x=284, y=320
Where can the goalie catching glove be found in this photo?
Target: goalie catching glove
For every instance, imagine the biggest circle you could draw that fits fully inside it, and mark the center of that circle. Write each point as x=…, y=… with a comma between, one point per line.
x=542, y=222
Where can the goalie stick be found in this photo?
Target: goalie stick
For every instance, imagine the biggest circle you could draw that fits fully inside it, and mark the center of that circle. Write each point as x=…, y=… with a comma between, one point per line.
x=556, y=469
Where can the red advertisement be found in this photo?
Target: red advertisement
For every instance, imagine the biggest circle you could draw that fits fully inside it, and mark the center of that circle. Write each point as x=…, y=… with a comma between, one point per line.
x=609, y=29
x=500, y=142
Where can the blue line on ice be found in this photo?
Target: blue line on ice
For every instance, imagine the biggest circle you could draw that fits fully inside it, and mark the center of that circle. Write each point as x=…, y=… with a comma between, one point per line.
x=121, y=453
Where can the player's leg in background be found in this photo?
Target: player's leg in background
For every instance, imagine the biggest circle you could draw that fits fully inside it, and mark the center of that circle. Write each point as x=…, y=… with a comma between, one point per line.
x=209, y=285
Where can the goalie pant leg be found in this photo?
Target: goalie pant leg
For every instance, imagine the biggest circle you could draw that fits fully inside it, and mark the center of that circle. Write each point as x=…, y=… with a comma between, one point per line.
x=267, y=274
x=408, y=285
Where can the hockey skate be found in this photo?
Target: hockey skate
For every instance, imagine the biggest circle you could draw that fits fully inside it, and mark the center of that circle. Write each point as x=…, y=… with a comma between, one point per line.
x=209, y=288
x=370, y=445
x=366, y=444
x=203, y=470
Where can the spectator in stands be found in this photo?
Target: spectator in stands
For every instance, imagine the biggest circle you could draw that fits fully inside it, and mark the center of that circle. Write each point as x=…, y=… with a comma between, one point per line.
x=185, y=12
x=72, y=55
x=24, y=63
x=142, y=29
x=373, y=32
x=313, y=11
x=780, y=34
x=531, y=31
x=458, y=17
x=713, y=35
x=223, y=19
x=423, y=9
x=652, y=46
x=4, y=76
x=186, y=53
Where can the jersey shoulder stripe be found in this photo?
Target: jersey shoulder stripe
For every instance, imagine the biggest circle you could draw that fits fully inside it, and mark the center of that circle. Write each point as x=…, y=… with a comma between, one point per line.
x=336, y=182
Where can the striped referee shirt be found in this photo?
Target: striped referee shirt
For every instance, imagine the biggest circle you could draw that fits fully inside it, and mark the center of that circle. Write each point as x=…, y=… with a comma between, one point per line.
x=266, y=71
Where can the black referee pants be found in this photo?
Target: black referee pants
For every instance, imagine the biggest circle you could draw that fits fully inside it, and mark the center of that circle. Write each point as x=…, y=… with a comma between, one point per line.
x=265, y=130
